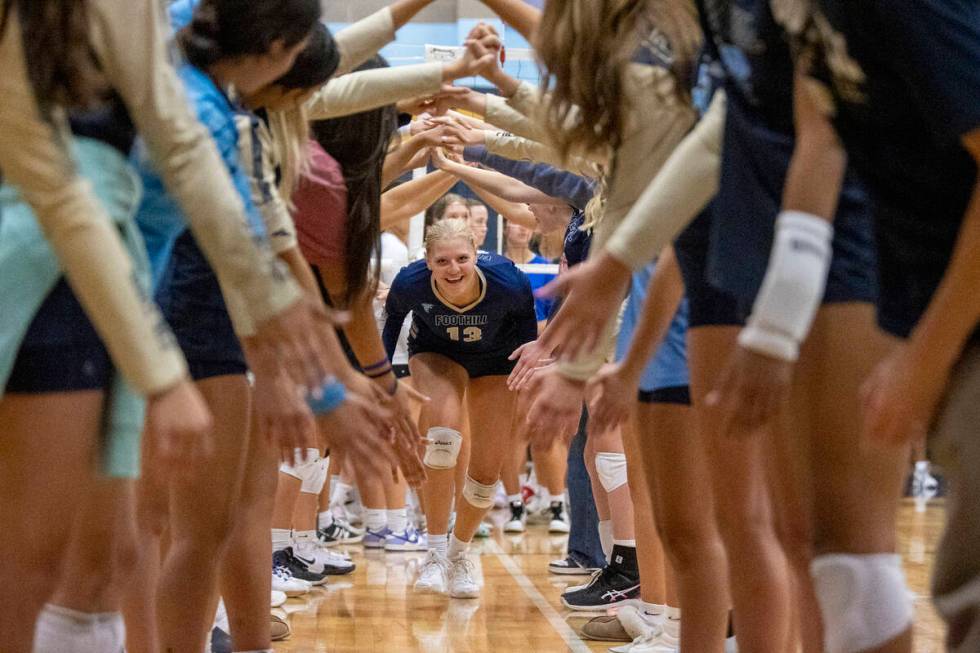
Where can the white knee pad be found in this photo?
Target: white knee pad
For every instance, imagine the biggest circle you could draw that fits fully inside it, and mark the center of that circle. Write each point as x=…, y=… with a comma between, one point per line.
x=443, y=448
x=312, y=472
x=863, y=598
x=611, y=468
x=477, y=494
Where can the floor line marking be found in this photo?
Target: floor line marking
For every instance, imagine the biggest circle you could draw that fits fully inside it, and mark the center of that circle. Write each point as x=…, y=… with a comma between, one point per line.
x=574, y=642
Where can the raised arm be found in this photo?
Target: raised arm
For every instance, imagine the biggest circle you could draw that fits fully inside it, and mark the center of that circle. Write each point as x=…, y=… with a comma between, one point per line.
x=362, y=40
x=501, y=185
x=518, y=14
x=575, y=190
x=516, y=212
x=411, y=198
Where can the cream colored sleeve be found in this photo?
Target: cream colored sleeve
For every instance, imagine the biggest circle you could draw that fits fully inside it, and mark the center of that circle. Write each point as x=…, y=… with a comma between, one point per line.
x=370, y=89
x=677, y=195
x=362, y=40
x=34, y=160
x=658, y=123
x=527, y=100
x=501, y=114
x=256, y=152
x=523, y=149
x=129, y=38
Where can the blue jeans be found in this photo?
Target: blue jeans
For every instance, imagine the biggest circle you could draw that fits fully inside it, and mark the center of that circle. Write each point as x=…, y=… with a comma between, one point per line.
x=583, y=541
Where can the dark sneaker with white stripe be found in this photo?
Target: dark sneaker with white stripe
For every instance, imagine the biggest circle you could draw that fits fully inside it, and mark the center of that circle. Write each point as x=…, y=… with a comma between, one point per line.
x=339, y=532
x=617, y=583
x=299, y=568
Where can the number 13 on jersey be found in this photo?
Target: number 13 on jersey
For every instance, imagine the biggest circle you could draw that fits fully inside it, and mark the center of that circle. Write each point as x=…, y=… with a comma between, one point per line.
x=470, y=334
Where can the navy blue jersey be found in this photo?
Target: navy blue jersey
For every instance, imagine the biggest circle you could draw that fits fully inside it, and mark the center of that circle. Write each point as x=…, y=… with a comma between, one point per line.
x=577, y=240
x=901, y=79
x=498, y=322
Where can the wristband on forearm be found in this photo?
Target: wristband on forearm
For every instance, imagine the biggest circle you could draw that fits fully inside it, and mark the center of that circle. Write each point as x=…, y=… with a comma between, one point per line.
x=332, y=395
x=793, y=287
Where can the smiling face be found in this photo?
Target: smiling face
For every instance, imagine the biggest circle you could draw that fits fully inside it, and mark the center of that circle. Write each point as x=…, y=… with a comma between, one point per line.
x=453, y=265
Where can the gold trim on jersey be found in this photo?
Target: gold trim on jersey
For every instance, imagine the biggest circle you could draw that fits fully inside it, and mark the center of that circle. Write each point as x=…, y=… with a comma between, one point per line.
x=468, y=307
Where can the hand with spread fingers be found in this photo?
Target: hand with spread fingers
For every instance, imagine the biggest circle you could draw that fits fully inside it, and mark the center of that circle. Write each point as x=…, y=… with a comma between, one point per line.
x=752, y=391
x=556, y=405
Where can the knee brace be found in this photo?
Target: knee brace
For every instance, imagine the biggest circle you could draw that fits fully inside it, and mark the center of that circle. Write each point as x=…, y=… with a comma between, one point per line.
x=312, y=472
x=477, y=494
x=863, y=598
x=443, y=448
x=611, y=468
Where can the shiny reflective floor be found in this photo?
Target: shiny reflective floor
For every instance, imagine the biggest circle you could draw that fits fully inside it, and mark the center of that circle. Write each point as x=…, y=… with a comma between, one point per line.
x=375, y=610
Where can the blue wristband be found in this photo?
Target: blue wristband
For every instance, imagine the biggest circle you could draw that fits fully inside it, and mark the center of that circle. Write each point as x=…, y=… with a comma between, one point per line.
x=333, y=394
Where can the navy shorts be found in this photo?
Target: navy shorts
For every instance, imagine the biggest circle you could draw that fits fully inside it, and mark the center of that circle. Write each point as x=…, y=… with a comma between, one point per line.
x=679, y=395
x=707, y=306
x=61, y=351
x=192, y=303
x=755, y=160
x=401, y=371
x=476, y=365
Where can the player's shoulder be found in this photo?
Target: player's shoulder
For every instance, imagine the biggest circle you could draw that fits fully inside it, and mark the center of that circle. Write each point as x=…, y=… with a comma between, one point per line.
x=496, y=264
x=413, y=274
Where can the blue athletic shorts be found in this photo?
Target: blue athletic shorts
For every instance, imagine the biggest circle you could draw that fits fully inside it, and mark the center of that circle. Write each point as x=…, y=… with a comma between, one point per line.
x=61, y=351
x=707, y=306
x=755, y=160
x=191, y=300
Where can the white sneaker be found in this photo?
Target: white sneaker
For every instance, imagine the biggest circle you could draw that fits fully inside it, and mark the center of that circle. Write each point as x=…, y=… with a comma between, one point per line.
x=518, y=518
x=283, y=581
x=433, y=574
x=654, y=642
x=277, y=599
x=462, y=579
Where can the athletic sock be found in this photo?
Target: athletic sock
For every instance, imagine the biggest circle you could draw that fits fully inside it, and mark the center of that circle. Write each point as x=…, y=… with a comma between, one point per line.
x=922, y=466
x=629, y=543
x=375, y=519
x=304, y=543
x=281, y=539
x=339, y=493
x=514, y=498
x=545, y=497
x=439, y=544
x=324, y=519
x=60, y=629
x=653, y=610
x=606, y=537
x=397, y=520
x=672, y=624
x=457, y=548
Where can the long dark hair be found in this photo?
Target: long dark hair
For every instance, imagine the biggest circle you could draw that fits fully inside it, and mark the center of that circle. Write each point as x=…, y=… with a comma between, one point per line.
x=60, y=64
x=359, y=144
x=232, y=28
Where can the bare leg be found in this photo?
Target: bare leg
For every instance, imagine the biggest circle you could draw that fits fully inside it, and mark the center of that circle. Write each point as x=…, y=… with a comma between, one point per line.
x=37, y=502
x=203, y=505
x=649, y=550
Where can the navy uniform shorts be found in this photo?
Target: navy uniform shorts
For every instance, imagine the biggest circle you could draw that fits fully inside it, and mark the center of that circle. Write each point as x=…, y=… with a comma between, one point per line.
x=61, y=351
x=191, y=300
x=495, y=363
x=707, y=305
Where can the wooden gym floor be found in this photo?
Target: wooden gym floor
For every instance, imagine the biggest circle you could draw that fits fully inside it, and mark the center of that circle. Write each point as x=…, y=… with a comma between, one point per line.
x=375, y=611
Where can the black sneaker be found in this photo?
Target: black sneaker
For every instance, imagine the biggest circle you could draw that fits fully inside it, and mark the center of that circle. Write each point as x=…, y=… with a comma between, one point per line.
x=339, y=532
x=518, y=518
x=220, y=641
x=619, y=581
x=569, y=566
x=297, y=568
x=559, y=519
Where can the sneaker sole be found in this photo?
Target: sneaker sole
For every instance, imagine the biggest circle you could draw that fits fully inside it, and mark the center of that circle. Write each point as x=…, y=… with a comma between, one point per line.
x=568, y=571
x=600, y=609
x=427, y=589
x=374, y=545
x=403, y=548
x=559, y=527
x=292, y=594
x=514, y=529
x=465, y=595
x=339, y=571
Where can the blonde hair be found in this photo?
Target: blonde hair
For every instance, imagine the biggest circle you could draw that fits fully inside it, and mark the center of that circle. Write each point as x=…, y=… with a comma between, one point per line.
x=290, y=134
x=596, y=208
x=451, y=229
x=587, y=109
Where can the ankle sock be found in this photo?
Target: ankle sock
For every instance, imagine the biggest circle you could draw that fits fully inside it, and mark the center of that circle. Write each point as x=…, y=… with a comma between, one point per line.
x=439, y=544
x=672, y=624
x=324, y=519
x=654, y=610
x=457, y=548
x=397, y=520
x=375, y=519
x=340, y=493
x=281, y=539
x=515, y=498
x=304, y=543
x=60, y=629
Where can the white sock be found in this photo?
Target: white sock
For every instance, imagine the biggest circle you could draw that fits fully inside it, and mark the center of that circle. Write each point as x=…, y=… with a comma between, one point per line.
x=630, y=543
x=397, y=520
x=340, y=492
x=672, y=624
x=606, y=537
x=653, y=610
x=457, y=548
x=304, y=543
x=281, y=539
x=439, y=544
x=324, y=519
x=545, y=497
x=922, y=466
x=60, y=629
x=375, y=519
x=514, y=498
